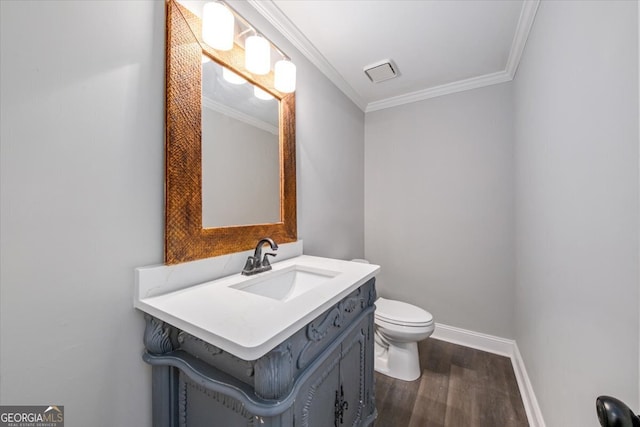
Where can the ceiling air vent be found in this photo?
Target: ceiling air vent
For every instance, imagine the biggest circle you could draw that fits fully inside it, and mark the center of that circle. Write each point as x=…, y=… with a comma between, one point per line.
x=381, y=71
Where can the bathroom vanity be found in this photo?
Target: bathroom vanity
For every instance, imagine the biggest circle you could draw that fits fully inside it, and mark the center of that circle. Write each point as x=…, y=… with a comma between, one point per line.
x=290, y=347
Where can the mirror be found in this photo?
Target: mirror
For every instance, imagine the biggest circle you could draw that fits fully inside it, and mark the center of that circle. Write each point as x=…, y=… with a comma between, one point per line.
x=192, y=152
x=240, y=162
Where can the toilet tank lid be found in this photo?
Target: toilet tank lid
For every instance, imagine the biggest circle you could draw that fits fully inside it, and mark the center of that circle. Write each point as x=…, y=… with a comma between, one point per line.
x=398, y=311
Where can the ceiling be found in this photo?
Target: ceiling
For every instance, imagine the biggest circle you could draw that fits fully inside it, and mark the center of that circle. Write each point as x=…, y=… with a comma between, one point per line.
x=438, y=46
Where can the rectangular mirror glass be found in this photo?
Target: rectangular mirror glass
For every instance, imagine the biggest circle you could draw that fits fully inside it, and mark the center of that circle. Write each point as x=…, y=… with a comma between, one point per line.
x=240, y=150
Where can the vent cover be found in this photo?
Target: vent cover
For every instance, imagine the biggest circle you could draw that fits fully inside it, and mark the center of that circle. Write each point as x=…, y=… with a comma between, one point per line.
x=380, y=71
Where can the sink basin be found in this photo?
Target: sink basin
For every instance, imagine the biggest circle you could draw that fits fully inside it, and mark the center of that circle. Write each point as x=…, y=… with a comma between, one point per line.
x=286, y=284
x=248, y=316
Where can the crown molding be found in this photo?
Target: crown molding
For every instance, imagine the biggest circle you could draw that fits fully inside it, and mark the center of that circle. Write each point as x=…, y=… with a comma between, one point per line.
x=445, y=89
x=238, y=115
x=271, y=12
x=283, y=24
x=525, y=22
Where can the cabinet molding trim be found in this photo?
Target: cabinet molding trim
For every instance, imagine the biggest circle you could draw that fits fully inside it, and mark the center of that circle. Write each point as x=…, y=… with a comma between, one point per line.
x=156, y=336
x=217, y=381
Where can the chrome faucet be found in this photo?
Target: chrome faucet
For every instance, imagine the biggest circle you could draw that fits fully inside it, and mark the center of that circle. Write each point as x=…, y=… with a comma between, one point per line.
x=257, y=263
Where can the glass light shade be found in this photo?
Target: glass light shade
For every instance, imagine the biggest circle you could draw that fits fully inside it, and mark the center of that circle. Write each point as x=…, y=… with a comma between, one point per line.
x=261, y=94
x=285, y=76
x=232, y=77
x=217, y=26
x=257, y=54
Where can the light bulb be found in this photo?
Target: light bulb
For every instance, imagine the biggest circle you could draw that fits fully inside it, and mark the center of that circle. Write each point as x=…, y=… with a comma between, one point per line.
x=257, y=55
x=285, y=76
x=217, y=26
x=261, y=94
x=232, y=77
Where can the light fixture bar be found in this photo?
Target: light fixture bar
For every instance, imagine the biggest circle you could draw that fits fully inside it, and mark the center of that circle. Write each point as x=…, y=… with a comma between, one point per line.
x=247, y=24
x=219, y=33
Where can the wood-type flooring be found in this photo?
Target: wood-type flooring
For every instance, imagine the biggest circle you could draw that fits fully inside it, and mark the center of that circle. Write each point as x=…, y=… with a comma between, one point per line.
x=459, y=387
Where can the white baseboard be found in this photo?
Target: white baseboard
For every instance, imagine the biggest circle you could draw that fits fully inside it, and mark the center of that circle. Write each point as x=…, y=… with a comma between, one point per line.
x=484, y=342
x=503, y=347
x=526, y=390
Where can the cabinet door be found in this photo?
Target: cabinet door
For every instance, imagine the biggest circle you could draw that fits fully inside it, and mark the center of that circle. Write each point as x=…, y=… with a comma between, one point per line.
x=315, y=405
x=200, y=407
x=352, y=375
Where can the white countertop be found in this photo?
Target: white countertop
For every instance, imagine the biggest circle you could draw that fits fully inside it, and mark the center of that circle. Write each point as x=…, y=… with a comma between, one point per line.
x=249, y=325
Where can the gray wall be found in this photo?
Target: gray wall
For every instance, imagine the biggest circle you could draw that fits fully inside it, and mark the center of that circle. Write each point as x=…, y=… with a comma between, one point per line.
x=331, y=172
x=439, y=206
x=81, y=186
x=81, y=170
x=576, y=95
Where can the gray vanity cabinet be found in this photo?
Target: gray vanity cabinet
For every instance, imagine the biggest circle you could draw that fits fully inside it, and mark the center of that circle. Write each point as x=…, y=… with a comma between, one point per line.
x=322, y=376
x=316, y=404
x=337, y=392
x=355, y=383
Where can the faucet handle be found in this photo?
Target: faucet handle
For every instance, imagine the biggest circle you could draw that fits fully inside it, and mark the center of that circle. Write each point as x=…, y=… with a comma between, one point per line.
x=265, y=260
x=249, y=265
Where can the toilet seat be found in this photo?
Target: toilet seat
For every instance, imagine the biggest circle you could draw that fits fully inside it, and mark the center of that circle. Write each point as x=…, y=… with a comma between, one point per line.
x=402, y=314
x=404, y=331
x=399, y=327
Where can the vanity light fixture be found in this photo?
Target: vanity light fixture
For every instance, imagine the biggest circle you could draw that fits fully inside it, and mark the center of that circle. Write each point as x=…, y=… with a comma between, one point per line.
x=257, y=55
x=262, y=94
x=218, y=31
x=232, y=77
x=218, y=25
x=285, y=76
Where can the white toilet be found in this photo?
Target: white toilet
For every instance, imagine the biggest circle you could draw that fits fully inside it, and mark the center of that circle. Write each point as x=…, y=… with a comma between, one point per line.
x=399, y=327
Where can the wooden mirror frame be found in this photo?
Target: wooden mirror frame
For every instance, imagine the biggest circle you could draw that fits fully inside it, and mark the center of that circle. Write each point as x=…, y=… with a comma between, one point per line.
x=185, y=238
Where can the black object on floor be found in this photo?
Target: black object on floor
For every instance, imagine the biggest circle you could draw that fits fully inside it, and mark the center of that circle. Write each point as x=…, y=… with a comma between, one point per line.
x=614, y=413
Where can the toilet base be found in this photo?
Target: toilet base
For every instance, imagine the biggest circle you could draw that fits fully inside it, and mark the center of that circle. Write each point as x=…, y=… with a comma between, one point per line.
x=398, y=360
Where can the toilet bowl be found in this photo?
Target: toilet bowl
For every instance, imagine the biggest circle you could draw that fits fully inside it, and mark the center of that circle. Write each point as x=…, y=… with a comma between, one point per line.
x=399, y=327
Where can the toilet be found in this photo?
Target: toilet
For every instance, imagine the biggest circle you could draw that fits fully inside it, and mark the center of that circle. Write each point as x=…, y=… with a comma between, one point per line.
x=399, y=327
